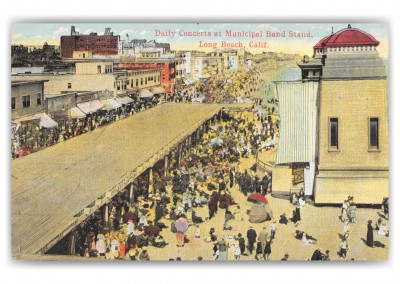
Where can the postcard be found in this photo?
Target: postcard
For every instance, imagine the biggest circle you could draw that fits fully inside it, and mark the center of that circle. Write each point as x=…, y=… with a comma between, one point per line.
x=199, y=141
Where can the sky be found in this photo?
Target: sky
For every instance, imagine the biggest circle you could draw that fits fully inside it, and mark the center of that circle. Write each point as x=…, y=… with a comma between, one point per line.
x=38, y=33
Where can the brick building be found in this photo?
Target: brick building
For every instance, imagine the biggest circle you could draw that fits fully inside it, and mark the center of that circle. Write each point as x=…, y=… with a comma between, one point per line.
x=165, y=65
x=104, y=45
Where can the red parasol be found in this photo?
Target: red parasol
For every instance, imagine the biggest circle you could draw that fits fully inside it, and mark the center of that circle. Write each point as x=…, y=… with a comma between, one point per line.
x=152, y=230
x=257, y=197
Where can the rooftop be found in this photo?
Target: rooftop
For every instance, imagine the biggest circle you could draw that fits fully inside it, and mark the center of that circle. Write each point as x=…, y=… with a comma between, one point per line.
x=31, y=82
x=347, y=37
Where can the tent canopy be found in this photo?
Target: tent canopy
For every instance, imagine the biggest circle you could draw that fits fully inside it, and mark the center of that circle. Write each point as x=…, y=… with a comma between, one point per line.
x=45, y=121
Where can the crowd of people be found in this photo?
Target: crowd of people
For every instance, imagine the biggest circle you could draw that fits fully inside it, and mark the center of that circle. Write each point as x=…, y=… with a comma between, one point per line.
x=28, y=137
x=198, y=186
x=203, y=178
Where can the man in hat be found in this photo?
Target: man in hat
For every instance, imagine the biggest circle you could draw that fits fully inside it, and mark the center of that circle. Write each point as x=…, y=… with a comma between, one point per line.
x=257, y=184
x=251, y=238
x=263, y=238
x=242, y=244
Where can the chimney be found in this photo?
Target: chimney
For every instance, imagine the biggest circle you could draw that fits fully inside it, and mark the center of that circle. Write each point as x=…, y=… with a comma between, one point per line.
x=72, y=30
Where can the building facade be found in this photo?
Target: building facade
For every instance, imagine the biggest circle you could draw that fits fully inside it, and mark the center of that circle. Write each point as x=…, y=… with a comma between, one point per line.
x=27, y=98
x=105, y=45
x=166, y=66
x=350, y=156
x=97, y=76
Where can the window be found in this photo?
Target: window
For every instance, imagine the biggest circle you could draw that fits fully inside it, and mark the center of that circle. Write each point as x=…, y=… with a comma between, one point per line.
x=99, y=69
x=137, y=82
x=12, y=103
x=69, y=85
x=141, y=81
x=26, y=101
x=373, y=133
x=333, y=133
x=39, y=99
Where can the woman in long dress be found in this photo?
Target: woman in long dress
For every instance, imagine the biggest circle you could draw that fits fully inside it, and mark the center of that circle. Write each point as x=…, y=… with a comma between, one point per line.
x=180, y=239
x=236, y=250
x=222, y=250
x=267, y=249
x=344, y=216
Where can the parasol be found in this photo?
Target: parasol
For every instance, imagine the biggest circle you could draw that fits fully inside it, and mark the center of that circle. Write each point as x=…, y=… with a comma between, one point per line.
x=181, y=225
x=216, y=142
x=257, y=197
x=131, y=216
x=152, y=230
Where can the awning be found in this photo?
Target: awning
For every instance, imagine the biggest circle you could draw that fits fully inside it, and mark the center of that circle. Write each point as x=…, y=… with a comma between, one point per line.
x=45, y=121
x=124, y=100
x=297, y=110
x=90, y=106
x=76, y=113
x=145, y=94
x=158, y=90
x=110, y=104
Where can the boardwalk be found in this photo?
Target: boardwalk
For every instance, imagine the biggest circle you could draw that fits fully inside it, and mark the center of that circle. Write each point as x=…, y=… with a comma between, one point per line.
x=52, y=186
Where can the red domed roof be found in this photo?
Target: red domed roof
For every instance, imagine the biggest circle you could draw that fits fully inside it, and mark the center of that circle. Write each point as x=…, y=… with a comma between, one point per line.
x=347, y=37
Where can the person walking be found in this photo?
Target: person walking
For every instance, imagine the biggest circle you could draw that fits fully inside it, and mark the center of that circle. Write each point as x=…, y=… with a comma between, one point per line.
x=242, y=244
x=236, y=249
x=343, y=216
x=264, y=185
x=267, y=250
x=222, y=249
x=263, y=238
x=370, y=234
x=344, y=247
x=251, y=239
x=272, y=228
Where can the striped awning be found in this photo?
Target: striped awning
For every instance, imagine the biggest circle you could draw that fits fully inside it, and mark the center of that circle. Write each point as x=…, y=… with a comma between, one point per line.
x=76, y=113
x=297, y=109
x=158, y=90
x=110, y=104
x=145, y=93
x=90, y=106
x=124, y=100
